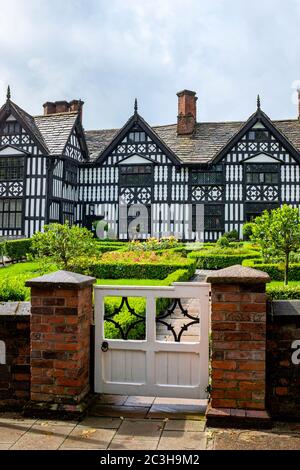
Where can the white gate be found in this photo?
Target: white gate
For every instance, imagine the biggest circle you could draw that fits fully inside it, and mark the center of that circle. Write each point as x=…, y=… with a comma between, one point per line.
x=151, y=367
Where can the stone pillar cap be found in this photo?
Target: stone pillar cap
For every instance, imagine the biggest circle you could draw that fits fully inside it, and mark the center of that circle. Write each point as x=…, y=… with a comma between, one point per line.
x=63, y=279
x=238, y=275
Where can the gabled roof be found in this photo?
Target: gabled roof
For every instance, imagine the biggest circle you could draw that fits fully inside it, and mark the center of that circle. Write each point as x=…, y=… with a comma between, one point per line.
x=210, y=140
x=56, y=129
x=259, y=117
x=116, y=136
x=25, y=120
x=51, y=131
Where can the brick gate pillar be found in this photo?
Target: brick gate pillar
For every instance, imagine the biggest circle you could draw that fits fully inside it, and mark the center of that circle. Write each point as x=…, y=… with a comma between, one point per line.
x=238, y=346
x=61, y=316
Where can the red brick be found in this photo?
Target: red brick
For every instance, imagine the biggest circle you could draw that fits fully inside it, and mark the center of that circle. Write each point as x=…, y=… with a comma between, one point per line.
x=252, y=386
x=223, y=326
x=223, y=307
x=223, y=403
x=224, y=365
x=252, y=365
x=223, y=384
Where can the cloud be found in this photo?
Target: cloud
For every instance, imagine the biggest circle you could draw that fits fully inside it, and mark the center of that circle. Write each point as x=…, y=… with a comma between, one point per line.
x=108, y=53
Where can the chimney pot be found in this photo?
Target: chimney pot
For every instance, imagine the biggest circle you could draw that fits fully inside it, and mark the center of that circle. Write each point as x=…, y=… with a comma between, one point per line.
x=187, y=112
x=49, y=108
x=62, y=106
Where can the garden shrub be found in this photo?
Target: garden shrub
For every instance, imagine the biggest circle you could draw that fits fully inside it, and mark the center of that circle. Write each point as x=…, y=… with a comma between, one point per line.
x=223, y=242
x=126, y=319
x=232, y=236
x=126, y=269
x=17, y=250
x=283, y=292
x=275, y=270
x=12, y=289
x=221, y=258
x=153, y=244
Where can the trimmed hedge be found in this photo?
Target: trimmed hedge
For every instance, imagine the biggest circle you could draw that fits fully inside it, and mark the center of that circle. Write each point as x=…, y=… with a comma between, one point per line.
x=118, y=270
x=126, y=319
x=275, y=271
x=17, y=250
x=284, y=292
x=208, y=260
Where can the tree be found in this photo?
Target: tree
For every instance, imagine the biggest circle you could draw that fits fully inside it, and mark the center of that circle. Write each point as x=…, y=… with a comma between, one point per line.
x=62, y=243
x=278, y=234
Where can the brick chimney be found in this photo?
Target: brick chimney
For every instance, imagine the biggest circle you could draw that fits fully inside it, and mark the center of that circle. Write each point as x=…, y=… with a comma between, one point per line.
x=76, y=106
x=187, y=112
x=63, y=107
x=49, y=108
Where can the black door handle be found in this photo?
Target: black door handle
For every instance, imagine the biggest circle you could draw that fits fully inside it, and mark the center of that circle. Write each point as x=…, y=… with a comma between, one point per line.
x=104, y=346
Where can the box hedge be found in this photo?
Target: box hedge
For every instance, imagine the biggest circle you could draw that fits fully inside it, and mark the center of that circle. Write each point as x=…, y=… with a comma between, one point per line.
x=283, y=292
x=17, y=250
x=275, y=271
x=206, y=259
x=126, y=270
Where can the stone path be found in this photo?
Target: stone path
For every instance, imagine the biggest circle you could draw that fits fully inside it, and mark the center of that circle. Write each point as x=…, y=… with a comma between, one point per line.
x=122, y=424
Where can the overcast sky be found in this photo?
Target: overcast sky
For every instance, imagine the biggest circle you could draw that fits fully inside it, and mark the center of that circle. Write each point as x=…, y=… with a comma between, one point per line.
x=107, y=52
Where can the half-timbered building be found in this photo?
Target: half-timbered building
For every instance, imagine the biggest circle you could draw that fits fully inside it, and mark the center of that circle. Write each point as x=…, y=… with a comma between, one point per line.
x=52, y=170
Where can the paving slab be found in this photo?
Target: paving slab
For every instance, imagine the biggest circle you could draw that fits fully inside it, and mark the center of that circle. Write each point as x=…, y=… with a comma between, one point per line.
x=178, y=440
x=11, y=430
x=85, y=437
x=40, y=437
x=139, y=401
x=101, y=422
x=184, y=425
x=177, y=408
x=140, y=429
x=119, y=411
x=131, y=443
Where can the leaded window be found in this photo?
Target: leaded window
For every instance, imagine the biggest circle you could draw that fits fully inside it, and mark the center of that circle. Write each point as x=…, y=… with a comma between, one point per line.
x=135, y=175
x=68, y=212
x=214, y=176
x=70, y=173
x=11, y=128
x=11, y=168
x=263, y=173
x=213, y=217
x=136, y=136
x=259, y=135
x=11, y=213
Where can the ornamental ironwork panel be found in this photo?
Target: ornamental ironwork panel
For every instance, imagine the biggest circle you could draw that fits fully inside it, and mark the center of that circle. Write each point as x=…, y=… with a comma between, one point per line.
x=124, y=331
x=176, y=304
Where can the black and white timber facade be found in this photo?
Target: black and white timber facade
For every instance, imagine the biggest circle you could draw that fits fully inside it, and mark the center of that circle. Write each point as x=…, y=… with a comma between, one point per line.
x=52, y=170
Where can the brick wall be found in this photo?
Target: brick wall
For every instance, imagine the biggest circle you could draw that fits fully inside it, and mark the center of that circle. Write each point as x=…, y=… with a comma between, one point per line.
x=238, y=346
x=61, y=317
x=15, y=352
x=283, y=376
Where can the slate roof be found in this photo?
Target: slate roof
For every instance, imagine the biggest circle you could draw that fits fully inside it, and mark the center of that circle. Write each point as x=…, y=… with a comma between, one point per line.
x=55, y=129
x=203, y=146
